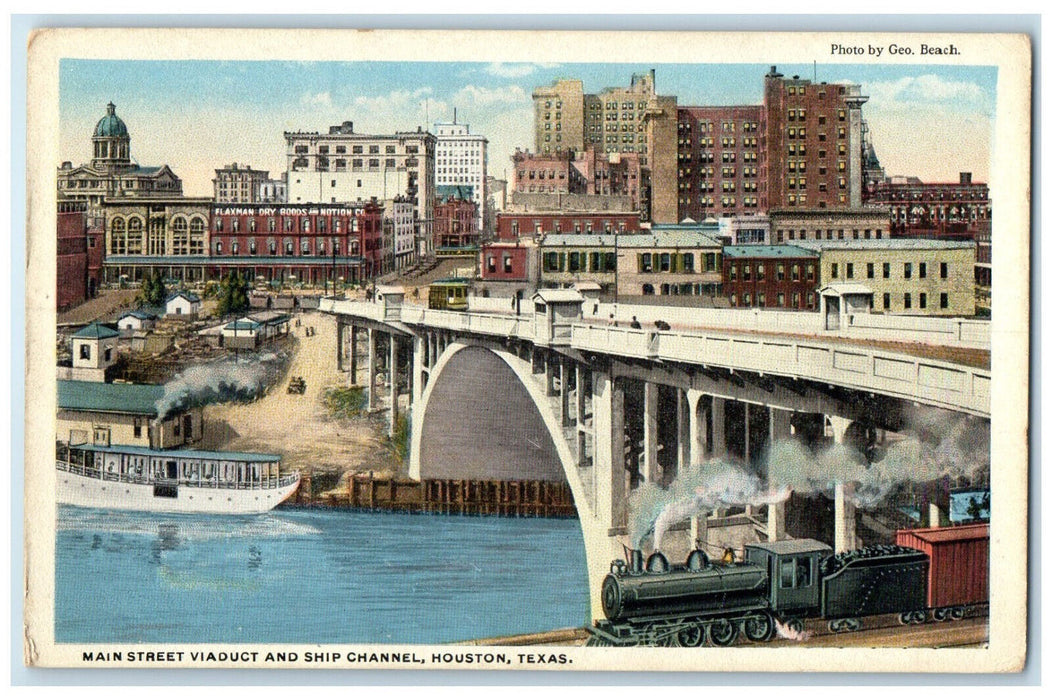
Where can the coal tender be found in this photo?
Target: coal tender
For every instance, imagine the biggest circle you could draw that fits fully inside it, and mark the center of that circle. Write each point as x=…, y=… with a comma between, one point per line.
x=661, y=604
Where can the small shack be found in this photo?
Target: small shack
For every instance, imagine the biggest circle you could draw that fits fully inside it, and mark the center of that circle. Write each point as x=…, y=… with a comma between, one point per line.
x=137, y=320
x=182, y=305
x=555, y=311
x=840, y=301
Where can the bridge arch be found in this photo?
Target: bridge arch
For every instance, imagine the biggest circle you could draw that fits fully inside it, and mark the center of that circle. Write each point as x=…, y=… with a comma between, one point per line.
x=457, y=434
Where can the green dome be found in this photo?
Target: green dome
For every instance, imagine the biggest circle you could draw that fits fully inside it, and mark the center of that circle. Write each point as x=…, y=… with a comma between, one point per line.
x=111, y=124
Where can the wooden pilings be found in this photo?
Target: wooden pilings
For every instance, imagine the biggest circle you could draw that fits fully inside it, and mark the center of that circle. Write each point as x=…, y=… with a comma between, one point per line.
x=526, y=498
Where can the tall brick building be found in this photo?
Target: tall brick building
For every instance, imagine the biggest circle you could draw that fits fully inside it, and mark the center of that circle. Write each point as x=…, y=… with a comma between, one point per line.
x=78, y=254
x=811, y=136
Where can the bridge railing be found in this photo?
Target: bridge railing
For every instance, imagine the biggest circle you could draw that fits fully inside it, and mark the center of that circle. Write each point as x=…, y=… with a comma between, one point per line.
x=485, y=324
x=947, y=384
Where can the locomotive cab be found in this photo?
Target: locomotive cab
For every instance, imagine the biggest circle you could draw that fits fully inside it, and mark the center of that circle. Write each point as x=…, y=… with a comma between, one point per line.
x=792, y=569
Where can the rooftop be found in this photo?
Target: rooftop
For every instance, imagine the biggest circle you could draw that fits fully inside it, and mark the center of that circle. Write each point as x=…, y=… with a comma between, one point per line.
x=191, y=454
x=887, y=244
x=140, y=399
x=767, y=251
x=96, y=331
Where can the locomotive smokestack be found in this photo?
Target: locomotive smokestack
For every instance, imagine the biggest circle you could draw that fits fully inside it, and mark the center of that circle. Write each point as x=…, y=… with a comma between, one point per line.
x=636, y=561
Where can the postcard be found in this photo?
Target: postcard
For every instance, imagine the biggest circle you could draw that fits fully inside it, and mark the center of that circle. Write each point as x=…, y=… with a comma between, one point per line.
x=541, y=350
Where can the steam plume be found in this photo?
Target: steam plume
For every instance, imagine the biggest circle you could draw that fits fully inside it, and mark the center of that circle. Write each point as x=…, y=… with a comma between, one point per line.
x=241, y=380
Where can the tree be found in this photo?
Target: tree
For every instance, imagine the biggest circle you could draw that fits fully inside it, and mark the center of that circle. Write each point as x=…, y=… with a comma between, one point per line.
x=233, y=294
x=153, y=291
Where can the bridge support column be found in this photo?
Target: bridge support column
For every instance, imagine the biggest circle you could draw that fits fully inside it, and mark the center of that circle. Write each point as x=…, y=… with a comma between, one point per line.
x=651, y=468
x=610, y=514
x=432, y=349
x=371, y=382
x=392, y=377
x=564, y=391
x=683, y=442
x=352, y=352
x=718, y=448
x=699, y=420
x=844, y=535
x=549, y=375
x=417, y=391
x=341, y=327
x=780, y=429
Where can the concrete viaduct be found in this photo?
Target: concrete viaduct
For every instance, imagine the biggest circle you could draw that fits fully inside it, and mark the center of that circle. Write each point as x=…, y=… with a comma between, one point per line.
x=563, y=386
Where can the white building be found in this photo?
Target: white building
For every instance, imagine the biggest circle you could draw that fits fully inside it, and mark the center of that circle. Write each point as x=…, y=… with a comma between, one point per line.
x=273, y=191
x=342, y=166
x=136, y=321
x=400, y=232
x=183, y=304
x=461, y=161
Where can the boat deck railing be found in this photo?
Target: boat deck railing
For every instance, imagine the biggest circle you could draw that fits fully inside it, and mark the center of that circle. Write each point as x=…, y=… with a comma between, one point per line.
x=259, y=484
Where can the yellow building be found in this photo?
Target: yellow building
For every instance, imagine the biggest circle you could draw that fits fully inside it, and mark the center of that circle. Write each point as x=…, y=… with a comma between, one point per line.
x=907, y=276
x=97, y=413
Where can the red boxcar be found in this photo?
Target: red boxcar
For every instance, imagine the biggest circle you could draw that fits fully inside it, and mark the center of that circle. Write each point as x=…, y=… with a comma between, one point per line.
x=960, y=562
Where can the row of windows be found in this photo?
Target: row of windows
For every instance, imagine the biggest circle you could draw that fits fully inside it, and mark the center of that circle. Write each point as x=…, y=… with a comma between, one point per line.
x=907, y=270
x=676, y=262
x=372, y=149
x=781, y=236
x=922, y=300
x=289, y=247
x=760, y=298
x=579, y=261
x=748, y=270
x=300, y=224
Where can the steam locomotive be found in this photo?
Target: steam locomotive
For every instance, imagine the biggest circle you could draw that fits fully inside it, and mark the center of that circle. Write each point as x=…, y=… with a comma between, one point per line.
x=660, y=604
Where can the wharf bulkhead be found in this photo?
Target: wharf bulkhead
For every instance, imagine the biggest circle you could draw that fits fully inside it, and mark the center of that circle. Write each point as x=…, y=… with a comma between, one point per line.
x=526, y=498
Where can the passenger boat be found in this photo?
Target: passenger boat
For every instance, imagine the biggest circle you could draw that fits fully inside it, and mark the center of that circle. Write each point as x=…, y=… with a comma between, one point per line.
x=126, y=477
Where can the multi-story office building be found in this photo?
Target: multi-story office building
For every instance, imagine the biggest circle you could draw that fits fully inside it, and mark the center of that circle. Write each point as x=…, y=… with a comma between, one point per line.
x=399, y=234
x=461, y=160
x=610, y=121
x=719, y=161
x=771, y=276
x=811, y=134
x=906, y=276
x=238, y=184
x=863, y=223
x=112, y=172
x=592, y=174
x=343, y=166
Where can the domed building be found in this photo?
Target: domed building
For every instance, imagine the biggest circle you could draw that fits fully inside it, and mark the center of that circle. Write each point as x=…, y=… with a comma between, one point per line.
x=112, y=173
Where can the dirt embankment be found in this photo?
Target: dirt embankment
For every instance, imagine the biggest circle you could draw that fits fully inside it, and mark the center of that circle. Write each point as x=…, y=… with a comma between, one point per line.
x=297, y=426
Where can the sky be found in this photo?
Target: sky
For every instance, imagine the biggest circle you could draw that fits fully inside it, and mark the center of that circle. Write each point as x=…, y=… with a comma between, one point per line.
x=928, y=121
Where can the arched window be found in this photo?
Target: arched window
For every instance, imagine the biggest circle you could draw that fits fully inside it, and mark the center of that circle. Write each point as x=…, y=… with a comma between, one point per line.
x=118, y=240
x=252, y=225
x=219, y=247
x=288, y=247
x=235, y=224
x=135, y=236
x=305, y=225
x=197, y=236
x=272, y=225
x=180, y=237
x=272, y=247
x=252, y=247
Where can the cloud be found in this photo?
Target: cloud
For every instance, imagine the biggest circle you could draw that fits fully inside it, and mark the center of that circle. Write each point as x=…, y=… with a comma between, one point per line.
x=317, y=99
x=929, y=90
x=516, y=70
x=475, y=95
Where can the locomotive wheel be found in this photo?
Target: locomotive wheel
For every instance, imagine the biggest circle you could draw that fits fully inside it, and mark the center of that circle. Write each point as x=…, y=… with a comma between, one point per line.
x=759, y=628
x=918, y=617
x=940, y=614
x=691, y=636
x=722, y=633
x=904, y=618
x=795, y=625
x=957, y=613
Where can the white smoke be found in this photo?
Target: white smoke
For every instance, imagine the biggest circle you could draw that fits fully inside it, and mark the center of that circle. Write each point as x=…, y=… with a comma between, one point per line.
x=242, y=380
x=936, y=444
x=699, y=489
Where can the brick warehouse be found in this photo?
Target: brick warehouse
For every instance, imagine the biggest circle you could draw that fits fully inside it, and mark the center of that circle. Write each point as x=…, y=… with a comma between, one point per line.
x=78, y=254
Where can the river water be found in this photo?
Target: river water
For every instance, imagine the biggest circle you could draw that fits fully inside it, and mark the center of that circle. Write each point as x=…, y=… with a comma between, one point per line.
x=313, y=576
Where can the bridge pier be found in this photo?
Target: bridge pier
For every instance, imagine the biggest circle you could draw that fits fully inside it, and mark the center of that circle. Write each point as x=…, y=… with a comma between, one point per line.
x=392, y=376
x=373, y=337
x=650, y=467
x=352, y=351
x=844, y=535
x=780, y=429
x=341, y=328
